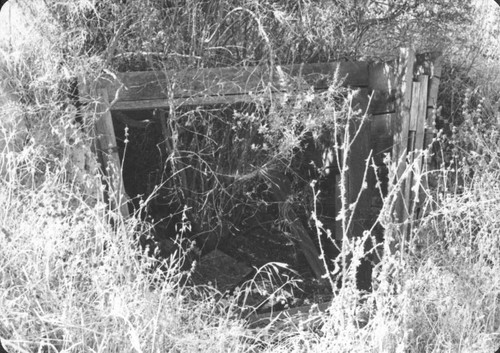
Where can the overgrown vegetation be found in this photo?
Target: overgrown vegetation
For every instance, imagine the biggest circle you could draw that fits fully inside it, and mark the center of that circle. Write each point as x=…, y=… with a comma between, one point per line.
x=72, y=281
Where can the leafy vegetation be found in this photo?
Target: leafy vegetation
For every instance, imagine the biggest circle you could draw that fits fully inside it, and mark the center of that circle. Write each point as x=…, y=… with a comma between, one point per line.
x=72, y=281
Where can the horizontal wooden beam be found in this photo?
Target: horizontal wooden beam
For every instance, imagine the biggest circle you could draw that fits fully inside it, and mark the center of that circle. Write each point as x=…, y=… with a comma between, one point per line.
x=149, y=89
x=381, y=102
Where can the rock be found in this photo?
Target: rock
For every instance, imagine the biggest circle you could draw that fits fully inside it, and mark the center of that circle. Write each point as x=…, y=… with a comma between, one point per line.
x=221, y=270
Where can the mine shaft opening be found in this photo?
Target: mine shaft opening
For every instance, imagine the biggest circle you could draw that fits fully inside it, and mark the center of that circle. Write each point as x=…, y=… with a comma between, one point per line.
x=205, y=167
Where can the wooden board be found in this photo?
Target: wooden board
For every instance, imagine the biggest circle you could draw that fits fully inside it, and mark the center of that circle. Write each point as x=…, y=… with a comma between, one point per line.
x=421, y=112
x=432, y=92
x=412, y=127
x=106, y=143
x=429, y=126
x=401, y=125
x=381, y=77
x=214, y=82
x=382, y=102
x=401, y=122
x=381, y=125
x=419, y=138
x=414, y=110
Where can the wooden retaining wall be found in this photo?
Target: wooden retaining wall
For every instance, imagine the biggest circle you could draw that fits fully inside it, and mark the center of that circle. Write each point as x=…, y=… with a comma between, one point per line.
x=401, y=116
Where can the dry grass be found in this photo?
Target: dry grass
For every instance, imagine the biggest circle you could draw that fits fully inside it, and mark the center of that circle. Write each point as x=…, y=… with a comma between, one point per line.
x=70, y=282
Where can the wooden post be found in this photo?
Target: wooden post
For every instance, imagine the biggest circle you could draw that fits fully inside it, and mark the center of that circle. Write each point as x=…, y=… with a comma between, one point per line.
x=400, y=126
x=106, y=147
x=421, y=112
x=412, y=131
x=431, y=110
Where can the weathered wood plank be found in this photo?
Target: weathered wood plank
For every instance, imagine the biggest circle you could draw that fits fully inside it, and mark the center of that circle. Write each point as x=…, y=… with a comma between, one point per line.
x=432, y=95
x=381, y=125
x=349, y=73
x=156, y=85
x=421, y=112
x=433, y=91
x=382, y=102
x=402, y=118
x=414, y=109
x=429, y=127
x=106, y=143
x=381, y=77
x=190, y=101
x=419, y=139
x=400, y=145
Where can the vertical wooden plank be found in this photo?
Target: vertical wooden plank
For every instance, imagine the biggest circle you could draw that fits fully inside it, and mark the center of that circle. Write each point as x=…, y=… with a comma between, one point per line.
x=106, y=144
x=414, y=117
x=402, y=116
x=401, y=131
x=85, y=100
x=381, y=77
x=421, y=112
x=414, y=110
x=417, y=160
x=432, y=92
x=416, y=133
x=431, y=110
x=434, y=73
x=406, y=187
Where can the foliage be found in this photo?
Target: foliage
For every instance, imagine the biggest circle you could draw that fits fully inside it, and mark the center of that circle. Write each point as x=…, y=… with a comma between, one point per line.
x=133, y=35
x=70, y=281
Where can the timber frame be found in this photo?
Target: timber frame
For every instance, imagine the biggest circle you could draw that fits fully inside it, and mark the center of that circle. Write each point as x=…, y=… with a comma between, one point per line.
x=402, y=114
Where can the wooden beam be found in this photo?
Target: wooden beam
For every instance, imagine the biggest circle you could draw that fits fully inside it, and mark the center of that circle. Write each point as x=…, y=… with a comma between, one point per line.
x=430, y=64
x=421, y=112
x=154, y=86
x=433, y=91
x=107, y=149
x=432, y=95
x=402, y=118
x=381, y=76
x=381, y=125
x=381, y=103
x=401, y=125
x=414, y=109
x=416, y=136
x=417, y=158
